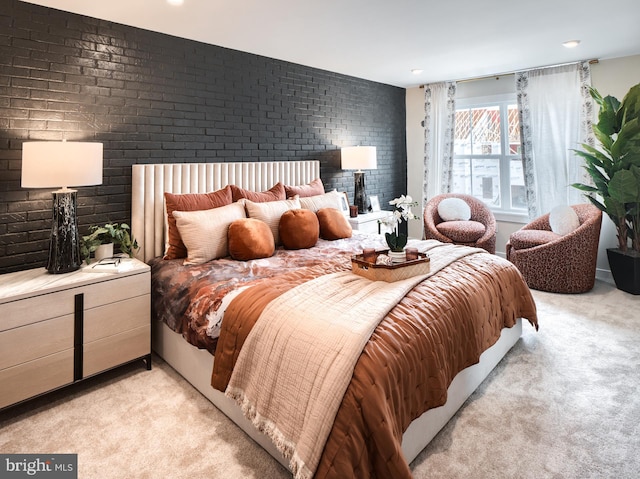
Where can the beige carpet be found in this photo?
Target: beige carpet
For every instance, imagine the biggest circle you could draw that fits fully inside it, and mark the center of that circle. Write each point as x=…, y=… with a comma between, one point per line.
x=564, y=403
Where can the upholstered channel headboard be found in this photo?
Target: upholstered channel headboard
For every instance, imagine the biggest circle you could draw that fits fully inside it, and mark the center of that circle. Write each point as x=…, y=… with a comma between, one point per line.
x=149, y=182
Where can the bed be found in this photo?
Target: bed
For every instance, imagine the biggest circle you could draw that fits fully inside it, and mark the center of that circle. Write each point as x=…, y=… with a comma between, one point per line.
x=466, y=286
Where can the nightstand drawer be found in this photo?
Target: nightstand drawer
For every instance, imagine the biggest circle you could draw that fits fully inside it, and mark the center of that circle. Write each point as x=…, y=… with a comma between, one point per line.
x=27, y=311
x=35, y=377
x=115, y=350
x=116, y=318
x=36, y=340
x=117, y=289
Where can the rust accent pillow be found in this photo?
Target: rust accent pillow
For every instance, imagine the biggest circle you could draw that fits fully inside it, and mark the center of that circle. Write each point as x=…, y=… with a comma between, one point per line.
x=174, y=247
x=333, y=224
x=299, y=229
x=311, y=189
x=275, y=193
x=249, y=238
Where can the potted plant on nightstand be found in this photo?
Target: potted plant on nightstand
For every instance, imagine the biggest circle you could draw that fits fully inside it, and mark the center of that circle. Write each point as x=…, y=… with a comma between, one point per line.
x=615, y=171
x=113, y=234
x=396, y=240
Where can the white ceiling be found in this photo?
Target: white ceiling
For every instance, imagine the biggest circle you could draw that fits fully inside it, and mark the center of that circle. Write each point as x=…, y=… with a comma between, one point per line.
x=382, y=40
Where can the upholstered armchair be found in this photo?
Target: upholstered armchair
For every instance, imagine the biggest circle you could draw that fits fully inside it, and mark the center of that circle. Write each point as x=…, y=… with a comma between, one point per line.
x=478, y=230
x=558, y=263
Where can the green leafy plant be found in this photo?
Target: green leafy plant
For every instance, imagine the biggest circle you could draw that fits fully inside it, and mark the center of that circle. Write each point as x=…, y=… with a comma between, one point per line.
x=614, y=168
x=402, y=210
x=118, y=234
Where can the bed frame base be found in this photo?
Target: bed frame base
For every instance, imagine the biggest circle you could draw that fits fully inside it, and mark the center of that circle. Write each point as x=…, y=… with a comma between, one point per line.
x=195, y=365
x=423, y=429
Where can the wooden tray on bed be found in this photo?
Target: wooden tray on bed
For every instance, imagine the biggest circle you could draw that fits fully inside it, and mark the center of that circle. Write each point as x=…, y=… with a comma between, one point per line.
x=390, y=273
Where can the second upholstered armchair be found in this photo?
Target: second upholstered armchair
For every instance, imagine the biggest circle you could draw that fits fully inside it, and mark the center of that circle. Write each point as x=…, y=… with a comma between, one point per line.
x=563, y=261
x=452, y=222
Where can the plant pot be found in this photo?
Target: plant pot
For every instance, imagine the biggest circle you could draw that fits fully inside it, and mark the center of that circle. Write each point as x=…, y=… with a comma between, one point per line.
x=625, y=268
x=104, y=251
x=397, y=256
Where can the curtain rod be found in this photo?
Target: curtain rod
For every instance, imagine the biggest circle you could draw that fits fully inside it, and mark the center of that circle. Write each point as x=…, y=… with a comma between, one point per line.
x=497, y=75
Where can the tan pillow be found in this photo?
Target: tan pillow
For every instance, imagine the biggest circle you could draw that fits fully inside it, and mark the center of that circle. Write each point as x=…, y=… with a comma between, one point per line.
x=325, y=200
x=204, y=232
x=333, y=224
x=311, y=189
x=275, y=193
x=250, y=239
x=270, y=213
x=174, y=247
x=299, y=229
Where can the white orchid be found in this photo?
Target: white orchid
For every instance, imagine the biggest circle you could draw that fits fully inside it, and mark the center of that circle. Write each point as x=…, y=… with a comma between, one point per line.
x=403, y=205
x=402, y=211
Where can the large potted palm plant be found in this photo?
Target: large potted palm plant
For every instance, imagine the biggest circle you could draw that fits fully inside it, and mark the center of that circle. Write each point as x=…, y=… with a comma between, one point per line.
x=614, y=168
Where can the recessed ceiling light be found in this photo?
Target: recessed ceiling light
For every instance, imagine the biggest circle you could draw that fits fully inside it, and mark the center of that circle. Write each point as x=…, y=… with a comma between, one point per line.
x=175, y=2
x=416, y=71
x=571, y=44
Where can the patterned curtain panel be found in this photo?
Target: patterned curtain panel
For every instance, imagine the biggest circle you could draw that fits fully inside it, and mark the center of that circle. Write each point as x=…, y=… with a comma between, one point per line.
x=440, y=113
x=556, y=113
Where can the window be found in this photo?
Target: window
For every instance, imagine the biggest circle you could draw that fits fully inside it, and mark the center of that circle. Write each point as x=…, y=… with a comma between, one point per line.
x=487, y=162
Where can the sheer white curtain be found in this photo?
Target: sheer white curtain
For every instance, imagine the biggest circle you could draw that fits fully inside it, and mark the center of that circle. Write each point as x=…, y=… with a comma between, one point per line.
x=555, y=111
x=439, y=128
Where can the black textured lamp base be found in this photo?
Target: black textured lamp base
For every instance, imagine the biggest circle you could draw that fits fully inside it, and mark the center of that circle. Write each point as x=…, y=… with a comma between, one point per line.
x=360, y=197
x=64, y=248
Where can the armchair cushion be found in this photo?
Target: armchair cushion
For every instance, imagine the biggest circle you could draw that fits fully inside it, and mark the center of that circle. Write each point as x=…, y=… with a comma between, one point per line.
x=523, y=239
x=461, y=231
x=454, y=209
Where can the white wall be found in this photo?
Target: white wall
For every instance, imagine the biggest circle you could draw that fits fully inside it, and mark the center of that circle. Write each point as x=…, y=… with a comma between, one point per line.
x=609, y=77
x=612, y=77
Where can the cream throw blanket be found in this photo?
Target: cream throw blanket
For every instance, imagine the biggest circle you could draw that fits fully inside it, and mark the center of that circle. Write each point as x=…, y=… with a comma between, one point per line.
x=297, y=361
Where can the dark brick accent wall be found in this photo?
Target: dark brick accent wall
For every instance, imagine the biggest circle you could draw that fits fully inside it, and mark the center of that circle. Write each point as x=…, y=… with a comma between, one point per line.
x=153, y=98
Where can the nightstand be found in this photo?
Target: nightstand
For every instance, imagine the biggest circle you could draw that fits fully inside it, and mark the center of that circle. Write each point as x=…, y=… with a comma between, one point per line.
x=57, y=329
x=368, y=222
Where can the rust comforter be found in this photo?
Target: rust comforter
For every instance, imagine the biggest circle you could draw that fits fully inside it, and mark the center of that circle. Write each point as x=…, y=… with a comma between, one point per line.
x=441, y=327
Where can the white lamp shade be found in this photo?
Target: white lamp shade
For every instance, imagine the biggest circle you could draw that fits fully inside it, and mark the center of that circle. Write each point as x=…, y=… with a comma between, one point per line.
x=55, y=164
x=358, y=158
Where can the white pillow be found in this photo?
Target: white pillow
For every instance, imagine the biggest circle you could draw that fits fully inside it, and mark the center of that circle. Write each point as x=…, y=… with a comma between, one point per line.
x=328, y=200
x=454, y=209
x=563, y=220
x=270, y=212
x=204, y=232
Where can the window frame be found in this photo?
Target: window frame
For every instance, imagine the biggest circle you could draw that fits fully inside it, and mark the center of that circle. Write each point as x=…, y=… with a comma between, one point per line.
x=502, y=101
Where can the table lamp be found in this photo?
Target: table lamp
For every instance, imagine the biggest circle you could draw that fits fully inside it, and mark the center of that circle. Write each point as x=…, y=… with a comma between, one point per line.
x=359, y=158
x=53, y=164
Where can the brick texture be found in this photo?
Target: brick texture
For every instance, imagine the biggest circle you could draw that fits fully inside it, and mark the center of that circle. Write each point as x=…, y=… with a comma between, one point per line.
x=154, y=98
